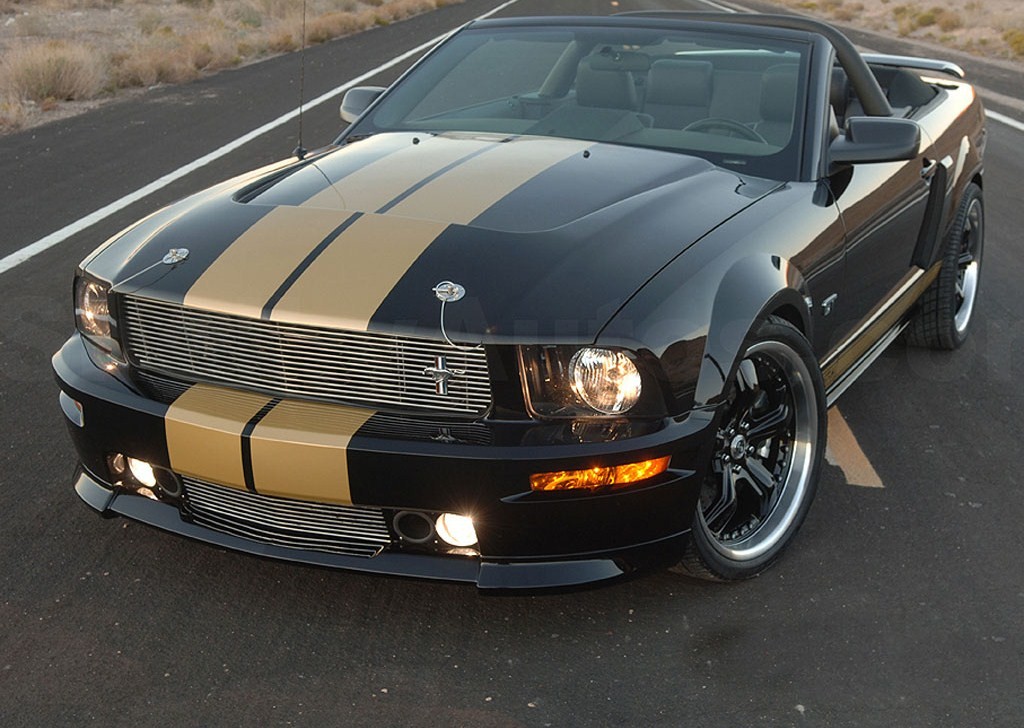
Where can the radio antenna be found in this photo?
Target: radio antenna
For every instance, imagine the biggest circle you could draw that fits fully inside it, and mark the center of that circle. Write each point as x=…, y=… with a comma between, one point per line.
x=300, y=151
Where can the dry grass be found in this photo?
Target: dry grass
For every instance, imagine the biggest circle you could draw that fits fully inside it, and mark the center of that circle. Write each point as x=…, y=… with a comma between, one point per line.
x=984, y=27
x=54, y=70
x=12, y=113
x=55, y=50
x=1015, y=40
x=166, y=57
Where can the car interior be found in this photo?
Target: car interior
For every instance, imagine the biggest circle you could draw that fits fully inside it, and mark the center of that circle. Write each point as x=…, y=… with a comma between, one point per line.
x=737, y=106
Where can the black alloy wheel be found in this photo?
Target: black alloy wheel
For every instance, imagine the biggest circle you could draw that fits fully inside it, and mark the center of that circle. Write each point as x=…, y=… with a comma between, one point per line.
x=767, y=458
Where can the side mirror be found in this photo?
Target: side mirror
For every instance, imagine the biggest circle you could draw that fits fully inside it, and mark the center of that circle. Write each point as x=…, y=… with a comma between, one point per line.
x=876, y=139
x=357, y=100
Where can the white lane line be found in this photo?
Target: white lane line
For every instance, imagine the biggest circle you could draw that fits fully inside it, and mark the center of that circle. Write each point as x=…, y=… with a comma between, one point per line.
x=55, y=238
x=844, y=452
x=723, y=8
x=1002, y=119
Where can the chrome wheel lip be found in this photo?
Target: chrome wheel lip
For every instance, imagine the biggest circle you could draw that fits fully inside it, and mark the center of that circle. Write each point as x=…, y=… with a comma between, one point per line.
x=969, y=276
x=796, y=482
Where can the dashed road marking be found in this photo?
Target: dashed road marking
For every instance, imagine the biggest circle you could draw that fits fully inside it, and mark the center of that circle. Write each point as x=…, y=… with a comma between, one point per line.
x=845, y=453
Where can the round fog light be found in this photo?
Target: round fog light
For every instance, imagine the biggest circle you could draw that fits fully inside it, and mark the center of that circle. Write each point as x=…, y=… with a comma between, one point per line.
x=456, y=530
x=142, y=472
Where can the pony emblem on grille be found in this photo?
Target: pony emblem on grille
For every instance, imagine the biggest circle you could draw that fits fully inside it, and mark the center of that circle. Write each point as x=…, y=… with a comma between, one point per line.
x=441, y=374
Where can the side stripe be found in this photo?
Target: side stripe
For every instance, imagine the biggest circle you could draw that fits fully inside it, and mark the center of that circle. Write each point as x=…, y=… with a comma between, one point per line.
x=203, y=428
x=299, y=450
x=886, y=315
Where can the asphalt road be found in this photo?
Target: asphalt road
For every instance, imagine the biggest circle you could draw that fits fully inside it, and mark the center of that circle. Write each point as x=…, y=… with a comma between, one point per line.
x=901, y=605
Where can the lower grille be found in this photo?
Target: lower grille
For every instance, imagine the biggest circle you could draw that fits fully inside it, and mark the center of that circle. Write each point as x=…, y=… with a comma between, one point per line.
x=333, y=529
x=162, y=389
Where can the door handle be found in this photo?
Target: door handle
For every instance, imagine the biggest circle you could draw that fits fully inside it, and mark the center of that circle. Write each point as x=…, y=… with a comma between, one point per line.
x=930, y=165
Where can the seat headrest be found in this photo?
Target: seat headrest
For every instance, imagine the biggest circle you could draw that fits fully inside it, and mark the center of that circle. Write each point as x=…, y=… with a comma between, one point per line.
x=605, y=89
x=680, y=83
x=778, y=92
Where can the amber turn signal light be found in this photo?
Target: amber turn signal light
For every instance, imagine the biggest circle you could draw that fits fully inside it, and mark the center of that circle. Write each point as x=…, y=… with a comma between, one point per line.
x=598, y=477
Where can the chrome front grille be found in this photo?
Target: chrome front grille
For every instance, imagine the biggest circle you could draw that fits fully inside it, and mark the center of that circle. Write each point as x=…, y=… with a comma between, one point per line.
x=334, y=529
x=307, y=362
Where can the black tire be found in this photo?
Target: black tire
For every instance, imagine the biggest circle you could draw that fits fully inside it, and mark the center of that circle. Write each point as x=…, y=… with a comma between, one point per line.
x=767, y=458
x=947, y=307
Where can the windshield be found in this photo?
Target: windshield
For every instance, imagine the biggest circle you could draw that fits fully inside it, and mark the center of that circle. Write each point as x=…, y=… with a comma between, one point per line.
x=734, y=100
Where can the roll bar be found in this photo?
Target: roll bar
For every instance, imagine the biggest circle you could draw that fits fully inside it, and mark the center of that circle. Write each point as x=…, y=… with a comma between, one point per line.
x=871, y=96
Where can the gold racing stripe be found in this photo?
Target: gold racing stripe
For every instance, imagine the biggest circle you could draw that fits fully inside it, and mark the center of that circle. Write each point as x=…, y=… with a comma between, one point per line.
x=372, y=187
x=465, y=192
x=299, y=450
x=250, y=270
x=836, y=366
x=346, y=284
x=204, y=427
x=349, y=280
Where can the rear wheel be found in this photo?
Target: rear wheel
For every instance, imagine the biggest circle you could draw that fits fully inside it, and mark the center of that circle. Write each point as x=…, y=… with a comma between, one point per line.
x=947, y=307
x=767, y=459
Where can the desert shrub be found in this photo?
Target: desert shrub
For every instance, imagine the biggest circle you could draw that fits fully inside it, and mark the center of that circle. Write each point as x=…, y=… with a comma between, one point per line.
x=53, y=70
x=848, y=12
x=160, y=58
x=150, y=21
x=1015, y=41
x=902, y=11
x=12, y=113
x=333, y=25
x=948, y=20
x=925, y=18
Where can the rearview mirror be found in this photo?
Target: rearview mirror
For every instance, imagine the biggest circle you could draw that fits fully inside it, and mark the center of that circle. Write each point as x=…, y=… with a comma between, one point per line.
x=876, y=139
x=357, y=100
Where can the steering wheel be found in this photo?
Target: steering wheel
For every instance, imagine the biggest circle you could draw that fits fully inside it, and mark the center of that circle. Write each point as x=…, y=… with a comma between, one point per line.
x=725, y=127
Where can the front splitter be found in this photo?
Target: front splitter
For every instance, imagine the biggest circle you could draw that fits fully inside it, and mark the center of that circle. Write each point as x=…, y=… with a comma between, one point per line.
x=487, y=575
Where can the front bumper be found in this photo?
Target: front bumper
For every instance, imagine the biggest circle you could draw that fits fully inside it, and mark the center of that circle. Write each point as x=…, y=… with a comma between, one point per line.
x=526, y=539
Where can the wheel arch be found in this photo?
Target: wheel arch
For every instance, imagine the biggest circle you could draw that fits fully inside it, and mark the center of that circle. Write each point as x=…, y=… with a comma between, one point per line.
x=754, y=288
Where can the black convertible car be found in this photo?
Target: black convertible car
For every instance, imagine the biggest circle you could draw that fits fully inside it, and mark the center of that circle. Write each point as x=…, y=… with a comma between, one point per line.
x=571, y=297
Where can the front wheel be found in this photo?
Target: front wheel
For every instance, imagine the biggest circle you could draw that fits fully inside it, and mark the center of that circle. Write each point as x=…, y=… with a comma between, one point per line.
x=767, y=458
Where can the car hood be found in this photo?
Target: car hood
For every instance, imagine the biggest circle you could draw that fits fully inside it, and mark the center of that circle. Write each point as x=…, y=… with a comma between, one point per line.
x=549, y=237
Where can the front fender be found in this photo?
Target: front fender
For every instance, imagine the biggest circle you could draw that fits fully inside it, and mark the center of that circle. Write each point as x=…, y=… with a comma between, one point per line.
x=696, y=326
x=750, y=290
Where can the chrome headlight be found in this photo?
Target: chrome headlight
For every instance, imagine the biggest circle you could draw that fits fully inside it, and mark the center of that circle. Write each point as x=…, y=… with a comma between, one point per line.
x=606, y=380
x=566, y=381
x=92, y=314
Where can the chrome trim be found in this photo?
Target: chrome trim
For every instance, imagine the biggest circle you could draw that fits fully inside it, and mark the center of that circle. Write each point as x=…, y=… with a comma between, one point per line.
x=306, y=362
x=882, y=310
x=852, y=374
x=921, y=64
x=174, y=256
x=441, y=374
x=330, y=528
x=448, y=292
